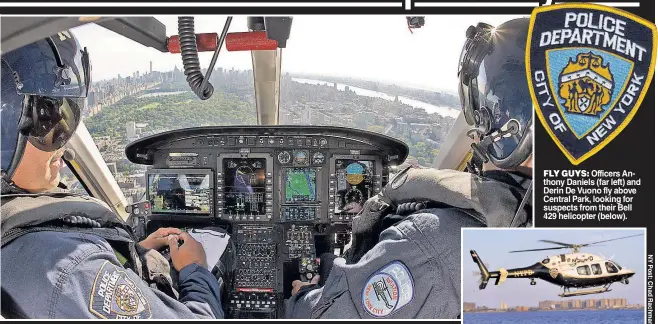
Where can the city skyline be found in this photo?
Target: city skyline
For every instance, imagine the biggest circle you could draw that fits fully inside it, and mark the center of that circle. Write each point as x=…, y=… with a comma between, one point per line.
x=381, y=48
x=571, y=304
x=493, y=247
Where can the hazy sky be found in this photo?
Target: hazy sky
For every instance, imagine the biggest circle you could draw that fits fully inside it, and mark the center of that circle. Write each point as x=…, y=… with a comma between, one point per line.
x=368, y=47
x=493, y=247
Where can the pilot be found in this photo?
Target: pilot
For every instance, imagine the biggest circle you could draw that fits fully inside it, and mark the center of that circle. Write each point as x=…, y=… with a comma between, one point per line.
x=404, y=257
x=69, y=256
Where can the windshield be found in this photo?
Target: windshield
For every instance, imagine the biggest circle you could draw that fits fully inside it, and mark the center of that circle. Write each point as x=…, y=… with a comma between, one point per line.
x=365, y=72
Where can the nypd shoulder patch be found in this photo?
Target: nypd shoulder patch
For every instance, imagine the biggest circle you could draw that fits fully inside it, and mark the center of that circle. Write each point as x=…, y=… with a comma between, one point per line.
x=588, y=67
x=115, y=296
x=387, y=290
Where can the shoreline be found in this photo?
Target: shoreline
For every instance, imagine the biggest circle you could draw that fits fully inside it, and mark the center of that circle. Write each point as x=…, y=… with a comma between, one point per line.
x=557, y=310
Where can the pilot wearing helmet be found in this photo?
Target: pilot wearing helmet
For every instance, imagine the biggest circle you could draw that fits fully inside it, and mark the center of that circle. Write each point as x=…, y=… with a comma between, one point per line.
x=69, y=256
x=404, y=257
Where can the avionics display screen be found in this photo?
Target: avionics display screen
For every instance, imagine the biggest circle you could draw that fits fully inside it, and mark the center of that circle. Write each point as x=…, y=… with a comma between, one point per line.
x=244, y=186
x=353, y=185
x=179, y=192
x=300, y=185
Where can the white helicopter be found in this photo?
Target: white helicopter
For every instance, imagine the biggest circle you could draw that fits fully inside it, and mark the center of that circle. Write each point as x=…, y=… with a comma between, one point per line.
x=588, y=273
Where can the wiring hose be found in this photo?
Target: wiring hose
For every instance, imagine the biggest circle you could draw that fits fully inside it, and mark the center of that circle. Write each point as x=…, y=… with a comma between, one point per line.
x=190, y=54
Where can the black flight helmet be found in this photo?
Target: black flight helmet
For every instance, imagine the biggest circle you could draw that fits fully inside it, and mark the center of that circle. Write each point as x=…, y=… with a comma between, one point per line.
x=494, y=94
x=44, y=86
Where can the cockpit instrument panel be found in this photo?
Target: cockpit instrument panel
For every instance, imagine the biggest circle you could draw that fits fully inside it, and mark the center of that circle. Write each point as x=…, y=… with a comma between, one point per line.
x=286, y=195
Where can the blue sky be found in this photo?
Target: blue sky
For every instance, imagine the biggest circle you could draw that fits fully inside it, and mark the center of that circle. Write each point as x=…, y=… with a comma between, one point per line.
x=493, y=246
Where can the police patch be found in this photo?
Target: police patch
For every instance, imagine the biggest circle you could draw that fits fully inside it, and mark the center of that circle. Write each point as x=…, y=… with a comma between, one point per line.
x=588, y=67
x=388, y=290
x=115, y=296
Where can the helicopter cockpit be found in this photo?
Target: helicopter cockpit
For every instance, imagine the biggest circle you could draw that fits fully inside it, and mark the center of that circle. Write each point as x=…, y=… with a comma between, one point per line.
x=285, y=193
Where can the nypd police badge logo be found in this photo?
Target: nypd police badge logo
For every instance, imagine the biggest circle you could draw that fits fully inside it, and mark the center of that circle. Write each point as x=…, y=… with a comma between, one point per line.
x=115, y=296
x=388, y=290
x=588, y=68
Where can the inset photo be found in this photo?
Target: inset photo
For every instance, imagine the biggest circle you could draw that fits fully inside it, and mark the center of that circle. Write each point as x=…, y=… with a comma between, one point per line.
x=553, y=275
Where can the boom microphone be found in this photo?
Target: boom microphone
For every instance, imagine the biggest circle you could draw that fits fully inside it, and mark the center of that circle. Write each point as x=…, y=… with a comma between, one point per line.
x=69, y=154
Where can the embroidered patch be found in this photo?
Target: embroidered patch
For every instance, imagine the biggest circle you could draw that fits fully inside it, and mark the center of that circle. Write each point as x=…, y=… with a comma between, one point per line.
x=388, y=290
x=115, y=296
x=588, y=68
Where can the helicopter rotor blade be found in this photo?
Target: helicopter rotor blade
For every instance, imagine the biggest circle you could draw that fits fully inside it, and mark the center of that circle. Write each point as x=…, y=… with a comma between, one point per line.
x=619, y=238
x=558, y=243
x=553, y=248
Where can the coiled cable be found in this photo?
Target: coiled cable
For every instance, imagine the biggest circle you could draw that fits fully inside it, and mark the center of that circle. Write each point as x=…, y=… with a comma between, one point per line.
x=190, y=55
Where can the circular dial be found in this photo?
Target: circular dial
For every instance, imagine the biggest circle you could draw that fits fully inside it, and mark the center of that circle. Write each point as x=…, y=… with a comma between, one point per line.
x=284, y=157
x=355, y=173
x=353, y=200
x=318, y=158
x=354, y=196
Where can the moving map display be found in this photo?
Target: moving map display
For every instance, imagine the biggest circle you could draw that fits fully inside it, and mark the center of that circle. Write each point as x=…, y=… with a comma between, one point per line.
x=244, y=186
x=354, y=185
x=300, y=185
x=179, y=193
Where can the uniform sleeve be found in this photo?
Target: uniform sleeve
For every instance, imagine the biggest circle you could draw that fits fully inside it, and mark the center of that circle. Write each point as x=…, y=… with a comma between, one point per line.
x=98, y=287
x=412, y=272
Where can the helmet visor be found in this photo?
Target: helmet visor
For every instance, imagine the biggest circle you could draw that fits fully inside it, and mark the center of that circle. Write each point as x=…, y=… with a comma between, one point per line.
x=57, y=122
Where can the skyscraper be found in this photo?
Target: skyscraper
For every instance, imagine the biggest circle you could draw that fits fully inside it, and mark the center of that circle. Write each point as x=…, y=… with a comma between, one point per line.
x=150, y=67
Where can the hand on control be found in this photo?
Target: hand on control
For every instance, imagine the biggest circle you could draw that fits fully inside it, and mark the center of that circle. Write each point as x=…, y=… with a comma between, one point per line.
x=158, y=239
x=298, y=284
x=189, y=252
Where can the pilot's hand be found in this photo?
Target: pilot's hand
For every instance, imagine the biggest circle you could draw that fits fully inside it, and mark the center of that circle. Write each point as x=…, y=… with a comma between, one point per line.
x=190, y=252
x=158, y=239
x=298, y=284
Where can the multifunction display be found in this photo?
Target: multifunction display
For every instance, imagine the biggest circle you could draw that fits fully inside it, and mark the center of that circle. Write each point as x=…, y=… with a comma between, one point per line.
x=179, y=192
x=354, y=185
x=244, y=186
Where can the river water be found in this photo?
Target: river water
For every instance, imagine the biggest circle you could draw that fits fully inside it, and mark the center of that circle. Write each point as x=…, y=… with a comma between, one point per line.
x=443, y=111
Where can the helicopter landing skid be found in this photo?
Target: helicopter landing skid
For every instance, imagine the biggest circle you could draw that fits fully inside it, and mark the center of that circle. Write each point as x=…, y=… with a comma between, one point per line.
x=581, y=292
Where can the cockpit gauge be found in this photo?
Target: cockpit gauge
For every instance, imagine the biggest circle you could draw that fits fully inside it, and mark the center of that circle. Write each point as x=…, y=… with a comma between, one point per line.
x=301, y=158
x=355, y=173
x=352, y=202
x=318, y=158
x=354, y=196
x=284, y=157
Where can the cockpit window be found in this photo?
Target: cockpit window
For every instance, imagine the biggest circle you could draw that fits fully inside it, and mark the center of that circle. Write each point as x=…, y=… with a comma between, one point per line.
x=71, y=181
x=378, y=77
x=139, y=91
x=583, y=270
x=616, y=264
x=611, y=267
x=596, y=269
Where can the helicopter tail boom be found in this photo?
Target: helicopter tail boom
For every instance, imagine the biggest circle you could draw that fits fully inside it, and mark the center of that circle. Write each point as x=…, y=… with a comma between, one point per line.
x=484, y=273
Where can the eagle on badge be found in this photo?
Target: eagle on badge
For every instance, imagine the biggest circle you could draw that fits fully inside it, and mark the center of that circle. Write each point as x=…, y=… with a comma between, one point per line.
x=126, y=299
x=586, y=84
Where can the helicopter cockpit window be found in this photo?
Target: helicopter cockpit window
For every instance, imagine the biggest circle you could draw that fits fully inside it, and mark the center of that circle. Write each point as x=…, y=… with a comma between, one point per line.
x=610, y=267
x=563, y=258
x=583, y=270
x=616, y=264
x=545, y=261
x=596, y=269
